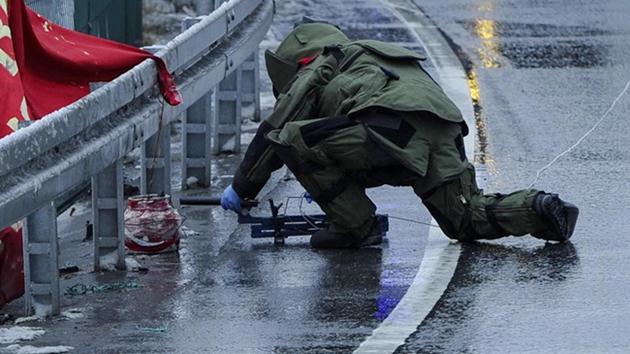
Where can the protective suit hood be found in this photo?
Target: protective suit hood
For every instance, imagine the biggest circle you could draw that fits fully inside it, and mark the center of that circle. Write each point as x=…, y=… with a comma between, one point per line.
x=306, y=40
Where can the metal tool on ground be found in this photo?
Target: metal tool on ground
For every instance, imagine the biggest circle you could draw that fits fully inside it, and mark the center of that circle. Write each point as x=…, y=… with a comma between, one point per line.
x=279, y=225
x=202, y=200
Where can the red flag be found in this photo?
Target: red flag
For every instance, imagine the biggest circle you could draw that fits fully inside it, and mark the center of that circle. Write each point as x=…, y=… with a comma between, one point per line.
x=11, y=265
x=44, y=67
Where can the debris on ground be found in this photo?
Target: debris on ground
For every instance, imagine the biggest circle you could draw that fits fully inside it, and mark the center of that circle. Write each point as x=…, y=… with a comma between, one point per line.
x=29, y=349
x=192, y=182
x=4, y=318
x=188, y=232
x=18, y=333
x=21, y=320
x=69, y=268
x=109, y=262
x=74, y=314
x=160, y=329
x=88, y=289
x=134, y=266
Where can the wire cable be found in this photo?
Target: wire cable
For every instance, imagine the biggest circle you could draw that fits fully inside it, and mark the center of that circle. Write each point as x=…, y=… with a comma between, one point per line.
x=304, y=216
x=412, y=221
x=579, y=141
x=308, y=219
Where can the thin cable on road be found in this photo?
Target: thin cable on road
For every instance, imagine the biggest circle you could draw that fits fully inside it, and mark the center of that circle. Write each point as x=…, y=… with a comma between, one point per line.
x=412, y=221
x=307, y=218
x=580, y=140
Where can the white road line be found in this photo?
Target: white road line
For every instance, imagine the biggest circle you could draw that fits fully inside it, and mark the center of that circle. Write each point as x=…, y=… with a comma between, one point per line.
x=440, y=256
x=437, y=269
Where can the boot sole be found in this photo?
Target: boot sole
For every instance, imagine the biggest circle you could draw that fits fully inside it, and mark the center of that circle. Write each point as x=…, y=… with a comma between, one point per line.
x=572, y=215
x=563, y=230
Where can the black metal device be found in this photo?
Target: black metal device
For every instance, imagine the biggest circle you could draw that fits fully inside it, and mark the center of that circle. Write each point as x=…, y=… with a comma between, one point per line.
x=278, y=226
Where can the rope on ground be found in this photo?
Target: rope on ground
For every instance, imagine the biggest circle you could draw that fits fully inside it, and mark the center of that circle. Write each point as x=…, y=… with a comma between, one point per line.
x=579, y=141
x=85, y=289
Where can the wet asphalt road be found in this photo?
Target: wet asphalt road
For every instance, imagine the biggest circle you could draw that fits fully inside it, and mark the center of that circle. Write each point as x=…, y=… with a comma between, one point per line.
x=546, y=71
x=227, y=293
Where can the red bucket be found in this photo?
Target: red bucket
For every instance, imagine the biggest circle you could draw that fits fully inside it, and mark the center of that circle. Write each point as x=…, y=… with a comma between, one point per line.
x=151, y=224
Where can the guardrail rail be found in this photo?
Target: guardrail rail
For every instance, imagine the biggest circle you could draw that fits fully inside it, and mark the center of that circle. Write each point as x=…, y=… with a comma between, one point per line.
x=87, y=140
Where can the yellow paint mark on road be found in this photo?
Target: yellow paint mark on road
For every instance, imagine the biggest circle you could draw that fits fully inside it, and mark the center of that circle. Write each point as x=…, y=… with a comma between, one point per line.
x=489, y=54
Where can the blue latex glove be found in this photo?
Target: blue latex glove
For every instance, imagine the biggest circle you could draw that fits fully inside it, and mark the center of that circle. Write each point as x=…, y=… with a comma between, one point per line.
x=308, y=197
x=230, y=200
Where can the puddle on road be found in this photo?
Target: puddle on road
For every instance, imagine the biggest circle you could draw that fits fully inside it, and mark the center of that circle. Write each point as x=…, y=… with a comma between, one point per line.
x=569, y=53
x=361, y=16
x=382, y=34
x=600, y=155
x=561, y=54
x=374, y=16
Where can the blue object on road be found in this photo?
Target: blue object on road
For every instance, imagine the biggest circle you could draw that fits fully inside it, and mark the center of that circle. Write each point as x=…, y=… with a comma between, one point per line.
x=230, y=200
x=308, y=197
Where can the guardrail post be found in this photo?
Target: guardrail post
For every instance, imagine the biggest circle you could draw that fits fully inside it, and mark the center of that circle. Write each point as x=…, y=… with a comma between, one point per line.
x=41, y=262
x=251, y=83
x=156, y=163
x=108, y=205
x=196, y=129
x=227, y=113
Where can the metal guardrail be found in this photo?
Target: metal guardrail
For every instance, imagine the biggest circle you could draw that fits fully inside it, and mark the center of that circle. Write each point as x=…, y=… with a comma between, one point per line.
x=88, y=139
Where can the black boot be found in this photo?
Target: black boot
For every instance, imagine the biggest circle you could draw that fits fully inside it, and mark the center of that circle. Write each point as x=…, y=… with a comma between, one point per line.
x=326, y=238
x=560, y=217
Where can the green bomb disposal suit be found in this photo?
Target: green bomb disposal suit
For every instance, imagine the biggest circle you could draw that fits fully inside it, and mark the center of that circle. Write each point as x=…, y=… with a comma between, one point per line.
x=354, y=115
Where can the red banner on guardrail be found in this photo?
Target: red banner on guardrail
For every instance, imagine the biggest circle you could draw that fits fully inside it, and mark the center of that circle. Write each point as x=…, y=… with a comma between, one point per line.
x=44, y=67
x=11, y=265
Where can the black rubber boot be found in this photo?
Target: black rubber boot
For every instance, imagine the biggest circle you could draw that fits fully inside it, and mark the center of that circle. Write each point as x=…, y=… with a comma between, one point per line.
x=560, y=217
x=327, y=239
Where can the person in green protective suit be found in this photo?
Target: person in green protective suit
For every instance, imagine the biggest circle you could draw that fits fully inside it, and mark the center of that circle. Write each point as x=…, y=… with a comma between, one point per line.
x=351, y=115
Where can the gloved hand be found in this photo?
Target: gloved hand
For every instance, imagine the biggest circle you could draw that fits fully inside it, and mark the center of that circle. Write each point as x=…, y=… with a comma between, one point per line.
x=230, y=200
x=308, y=197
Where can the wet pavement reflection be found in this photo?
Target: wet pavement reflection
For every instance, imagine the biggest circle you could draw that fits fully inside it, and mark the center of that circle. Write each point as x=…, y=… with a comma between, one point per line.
x=490, y=282
x=544, y=73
